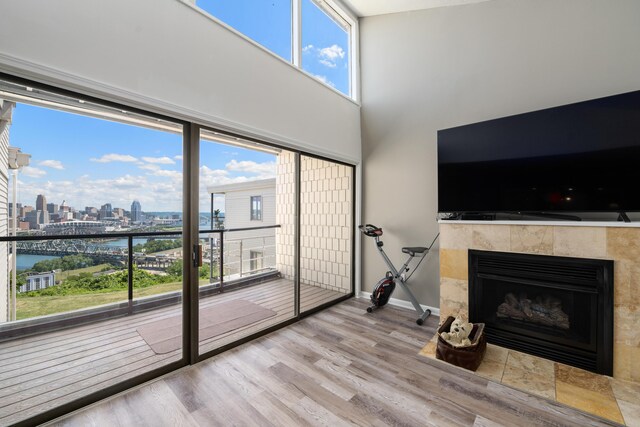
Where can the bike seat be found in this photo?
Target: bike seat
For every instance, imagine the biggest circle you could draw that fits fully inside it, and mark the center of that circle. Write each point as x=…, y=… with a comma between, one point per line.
x=415, y=250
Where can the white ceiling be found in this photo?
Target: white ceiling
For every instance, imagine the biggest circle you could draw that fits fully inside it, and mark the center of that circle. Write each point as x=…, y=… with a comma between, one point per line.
x=381, y=7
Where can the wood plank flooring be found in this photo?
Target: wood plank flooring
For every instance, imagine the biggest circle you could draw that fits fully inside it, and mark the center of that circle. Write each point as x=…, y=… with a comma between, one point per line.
x=338, y=367
x=41, y=372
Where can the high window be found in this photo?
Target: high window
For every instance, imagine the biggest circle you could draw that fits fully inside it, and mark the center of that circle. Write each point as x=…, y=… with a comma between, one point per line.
x=266, y=22
x=325, y=44
x=314, y=35
x=256, y=208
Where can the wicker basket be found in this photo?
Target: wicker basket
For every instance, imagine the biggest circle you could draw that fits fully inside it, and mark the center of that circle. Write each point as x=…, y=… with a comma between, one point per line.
x=465, y=357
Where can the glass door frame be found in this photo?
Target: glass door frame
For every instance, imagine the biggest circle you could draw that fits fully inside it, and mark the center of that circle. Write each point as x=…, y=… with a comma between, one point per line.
x=119, y=387
x=194, y=165
x=190, y=235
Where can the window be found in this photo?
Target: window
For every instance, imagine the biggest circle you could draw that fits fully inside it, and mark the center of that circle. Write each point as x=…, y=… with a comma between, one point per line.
x=314, y=35
x=266, y=22
x=325, y=45
x=256, y=208
x=255, y=261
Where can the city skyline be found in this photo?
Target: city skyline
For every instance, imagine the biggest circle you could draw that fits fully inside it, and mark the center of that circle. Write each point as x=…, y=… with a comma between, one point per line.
x=82, y=160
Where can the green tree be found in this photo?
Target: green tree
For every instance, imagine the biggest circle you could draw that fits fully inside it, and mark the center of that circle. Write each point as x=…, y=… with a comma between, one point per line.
x=158, y=245
x=85, y=283
x=69, y=262
x=175, y=269
x=216, y=218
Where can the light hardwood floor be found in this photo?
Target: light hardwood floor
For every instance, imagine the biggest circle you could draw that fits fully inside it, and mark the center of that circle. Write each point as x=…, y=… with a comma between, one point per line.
x=338, y=367
x=41, y=372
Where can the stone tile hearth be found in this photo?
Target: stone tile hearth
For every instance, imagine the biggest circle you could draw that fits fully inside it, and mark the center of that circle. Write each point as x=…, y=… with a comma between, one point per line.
x=606, y=397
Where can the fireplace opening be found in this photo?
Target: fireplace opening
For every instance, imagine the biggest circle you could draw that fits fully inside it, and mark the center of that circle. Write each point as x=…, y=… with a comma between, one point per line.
x=559, y=308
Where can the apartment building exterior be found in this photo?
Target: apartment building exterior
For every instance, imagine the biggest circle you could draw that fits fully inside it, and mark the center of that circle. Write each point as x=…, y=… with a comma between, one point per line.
x=249, y=204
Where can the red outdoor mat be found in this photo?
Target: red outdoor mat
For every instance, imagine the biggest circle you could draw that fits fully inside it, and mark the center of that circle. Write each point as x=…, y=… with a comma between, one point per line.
x=164, y=336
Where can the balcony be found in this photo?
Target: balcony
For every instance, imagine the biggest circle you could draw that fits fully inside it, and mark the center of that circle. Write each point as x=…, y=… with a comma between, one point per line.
x=68, y=346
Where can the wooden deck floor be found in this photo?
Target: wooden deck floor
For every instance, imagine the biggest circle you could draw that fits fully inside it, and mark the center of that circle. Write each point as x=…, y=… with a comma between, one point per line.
x=340, y=366
x=41, y=372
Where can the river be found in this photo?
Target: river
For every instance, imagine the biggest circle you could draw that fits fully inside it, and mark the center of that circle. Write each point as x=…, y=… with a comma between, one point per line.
x=25, y=262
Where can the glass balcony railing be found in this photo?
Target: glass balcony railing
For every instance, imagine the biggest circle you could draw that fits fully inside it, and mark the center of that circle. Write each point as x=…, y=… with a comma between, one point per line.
x=103, y=275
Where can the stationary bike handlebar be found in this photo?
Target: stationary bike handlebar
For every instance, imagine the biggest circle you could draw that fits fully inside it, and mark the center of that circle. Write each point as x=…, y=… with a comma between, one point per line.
x=371, y=230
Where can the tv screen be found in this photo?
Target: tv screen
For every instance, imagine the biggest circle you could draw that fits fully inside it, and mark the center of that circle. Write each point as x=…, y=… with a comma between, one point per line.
x=582, y=157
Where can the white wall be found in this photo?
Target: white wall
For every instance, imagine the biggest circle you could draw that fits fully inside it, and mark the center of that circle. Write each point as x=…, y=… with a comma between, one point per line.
x=164, y=56
x=4, y=213
x=434, y=69
x=237, y=214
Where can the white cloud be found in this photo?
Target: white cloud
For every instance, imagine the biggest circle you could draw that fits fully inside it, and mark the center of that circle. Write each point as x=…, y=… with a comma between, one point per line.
x=208, y=174
x=324, y=80
x=159, y=160
x=54, y=164
x=332, y=52
x=169, y=174
x=327, y=56
x=179, y=157
x=126, y=181
x=157, y=189
x=113, y=157
x=328, y=63
x=330, y=55
x=268, y=168
x=212, y=177
x=156, y=193
x=149, y=167
x=32, y=172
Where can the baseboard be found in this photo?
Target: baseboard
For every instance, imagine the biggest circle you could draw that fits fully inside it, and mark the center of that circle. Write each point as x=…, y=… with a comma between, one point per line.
x=402, y=303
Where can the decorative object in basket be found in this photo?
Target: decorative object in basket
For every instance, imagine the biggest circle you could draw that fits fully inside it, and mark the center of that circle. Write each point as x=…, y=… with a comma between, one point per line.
x=468, y=357
x=458, y=333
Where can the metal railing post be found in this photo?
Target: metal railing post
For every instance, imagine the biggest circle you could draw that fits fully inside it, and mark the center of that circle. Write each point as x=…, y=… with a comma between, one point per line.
x=130, y=278
x=211, y=258
x=240, y=258
x=221, y=267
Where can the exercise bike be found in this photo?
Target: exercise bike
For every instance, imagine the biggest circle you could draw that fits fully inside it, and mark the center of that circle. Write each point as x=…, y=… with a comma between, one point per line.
x=385, y=287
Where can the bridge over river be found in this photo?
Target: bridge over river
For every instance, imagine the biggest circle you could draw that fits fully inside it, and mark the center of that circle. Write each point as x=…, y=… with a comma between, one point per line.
x=68, y=247
x=96, y=250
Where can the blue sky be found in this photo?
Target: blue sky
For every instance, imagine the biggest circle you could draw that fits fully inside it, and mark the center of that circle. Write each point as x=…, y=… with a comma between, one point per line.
x=325, y=46
x=90, y=162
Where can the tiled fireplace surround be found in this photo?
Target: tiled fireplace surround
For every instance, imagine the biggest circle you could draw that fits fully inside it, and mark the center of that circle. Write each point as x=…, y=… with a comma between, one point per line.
x=620, y=244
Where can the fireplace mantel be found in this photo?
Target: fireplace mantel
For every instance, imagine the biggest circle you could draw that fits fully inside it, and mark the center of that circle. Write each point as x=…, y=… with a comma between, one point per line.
x=619, y=242
x=616, y=224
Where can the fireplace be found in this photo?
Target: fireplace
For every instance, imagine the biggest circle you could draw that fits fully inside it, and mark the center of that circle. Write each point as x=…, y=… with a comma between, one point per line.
x=559, y=308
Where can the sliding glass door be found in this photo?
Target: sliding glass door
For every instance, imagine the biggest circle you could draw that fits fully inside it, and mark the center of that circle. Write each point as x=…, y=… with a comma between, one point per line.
x=326, y=232
x=91, y=249
x=132, y=244
x=246, y=277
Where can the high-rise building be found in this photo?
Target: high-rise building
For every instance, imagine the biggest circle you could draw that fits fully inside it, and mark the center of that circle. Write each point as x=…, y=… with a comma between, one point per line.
x=41, y=203
x=118, y=212
x=35, y=218
x=18, y=209
x=136, y=211
x=25, y=210
x=106, y=211
x=52, y=208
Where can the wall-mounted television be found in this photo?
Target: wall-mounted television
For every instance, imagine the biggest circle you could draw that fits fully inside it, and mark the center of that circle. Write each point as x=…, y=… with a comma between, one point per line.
x=582, y=157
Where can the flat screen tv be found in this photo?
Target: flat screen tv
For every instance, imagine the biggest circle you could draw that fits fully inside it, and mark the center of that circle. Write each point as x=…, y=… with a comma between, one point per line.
x=582, y=157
